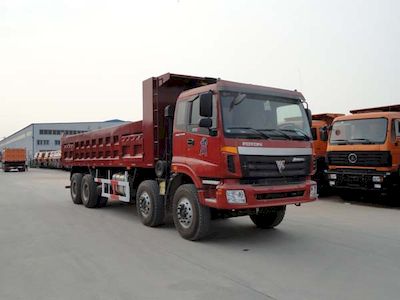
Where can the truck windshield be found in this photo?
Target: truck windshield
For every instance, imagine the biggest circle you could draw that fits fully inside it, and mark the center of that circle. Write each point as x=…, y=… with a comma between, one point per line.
x=263, y=117
x=363, y=131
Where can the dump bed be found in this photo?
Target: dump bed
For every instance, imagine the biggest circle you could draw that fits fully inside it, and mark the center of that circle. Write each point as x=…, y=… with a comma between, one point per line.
x=134, y=144
x=326, y=117
x=119, y=146
x=13, y=155
x=395, y=107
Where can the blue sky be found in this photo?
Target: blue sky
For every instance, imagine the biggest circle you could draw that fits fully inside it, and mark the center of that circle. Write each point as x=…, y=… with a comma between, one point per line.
x=86, y=60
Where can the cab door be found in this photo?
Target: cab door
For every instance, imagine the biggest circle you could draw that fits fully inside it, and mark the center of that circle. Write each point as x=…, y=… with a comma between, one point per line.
x=396, y=142
x=179, y=144
x=203, y=144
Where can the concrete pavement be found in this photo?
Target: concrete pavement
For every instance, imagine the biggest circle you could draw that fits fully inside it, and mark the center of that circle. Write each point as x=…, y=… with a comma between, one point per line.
x=53, y=249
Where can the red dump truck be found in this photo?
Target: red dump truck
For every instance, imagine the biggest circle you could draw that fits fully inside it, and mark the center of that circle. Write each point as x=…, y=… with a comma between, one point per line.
x=206, y=149
x=13, y=158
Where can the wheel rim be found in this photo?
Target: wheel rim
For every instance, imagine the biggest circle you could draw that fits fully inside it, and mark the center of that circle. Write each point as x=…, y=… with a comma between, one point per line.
x=184, y=213
x=85, y=191
x=73, y=188
x=144, y=204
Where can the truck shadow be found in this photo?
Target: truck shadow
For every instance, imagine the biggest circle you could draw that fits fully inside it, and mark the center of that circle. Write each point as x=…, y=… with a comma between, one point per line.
x=366, y=201
x=235, y=231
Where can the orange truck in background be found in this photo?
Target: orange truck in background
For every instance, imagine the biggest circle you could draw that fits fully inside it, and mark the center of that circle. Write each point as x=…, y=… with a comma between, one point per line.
x=13, y=158
x=320, y=131
x=364, y=152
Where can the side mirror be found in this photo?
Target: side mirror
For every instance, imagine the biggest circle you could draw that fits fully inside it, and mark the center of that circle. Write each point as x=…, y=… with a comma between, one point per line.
x=206, y=107
x=169, y=111
x=324, y=134
x=205, y=123
x=309, y=116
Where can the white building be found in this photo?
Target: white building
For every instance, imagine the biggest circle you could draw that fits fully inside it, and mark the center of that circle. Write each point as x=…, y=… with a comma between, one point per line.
x=46, y=136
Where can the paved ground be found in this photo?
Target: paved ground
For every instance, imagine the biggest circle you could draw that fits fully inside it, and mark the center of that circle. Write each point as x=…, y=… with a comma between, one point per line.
x=53, y=249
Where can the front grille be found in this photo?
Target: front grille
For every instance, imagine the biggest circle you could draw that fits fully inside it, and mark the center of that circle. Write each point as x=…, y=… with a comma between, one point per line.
x=270, y=196
x=273, y=180
x=231, y=163
x=295, y=168
x=363, y=158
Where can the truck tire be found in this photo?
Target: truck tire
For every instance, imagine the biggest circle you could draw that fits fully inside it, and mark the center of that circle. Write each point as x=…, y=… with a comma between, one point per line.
x=149, y=204
x=75, y=189
x=269, y=217
x=191, y=219
x=101, y=201
x=89, y=191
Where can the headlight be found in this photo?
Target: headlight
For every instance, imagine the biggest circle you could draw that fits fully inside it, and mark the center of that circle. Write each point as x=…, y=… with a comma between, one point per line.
x=332, y=176
x=235, y=196
x=313, y=191
x=377, y=178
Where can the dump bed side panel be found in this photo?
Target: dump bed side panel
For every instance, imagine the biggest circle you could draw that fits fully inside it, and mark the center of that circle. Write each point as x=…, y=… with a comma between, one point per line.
x=119, y=146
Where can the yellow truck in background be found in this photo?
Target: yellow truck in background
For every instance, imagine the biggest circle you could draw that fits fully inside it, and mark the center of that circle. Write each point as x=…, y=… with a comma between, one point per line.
x=13, y=158
x=363, y=153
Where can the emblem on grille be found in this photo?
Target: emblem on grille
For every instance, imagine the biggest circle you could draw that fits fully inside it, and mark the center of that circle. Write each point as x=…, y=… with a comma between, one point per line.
x=280, y=165
x=352, y=158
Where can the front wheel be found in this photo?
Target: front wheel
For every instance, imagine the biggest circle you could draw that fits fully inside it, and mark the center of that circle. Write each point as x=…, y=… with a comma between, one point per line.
x=191, y=219
x=269, y=217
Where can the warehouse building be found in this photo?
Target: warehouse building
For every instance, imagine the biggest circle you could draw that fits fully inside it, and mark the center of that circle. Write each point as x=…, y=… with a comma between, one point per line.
x=46, y=136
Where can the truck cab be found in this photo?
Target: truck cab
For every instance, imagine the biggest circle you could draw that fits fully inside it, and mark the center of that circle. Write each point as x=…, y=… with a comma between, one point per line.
x=364, y=151
x=244, y=146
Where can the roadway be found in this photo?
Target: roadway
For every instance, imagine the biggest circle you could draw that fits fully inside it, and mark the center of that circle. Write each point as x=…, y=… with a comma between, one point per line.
x=53, y=249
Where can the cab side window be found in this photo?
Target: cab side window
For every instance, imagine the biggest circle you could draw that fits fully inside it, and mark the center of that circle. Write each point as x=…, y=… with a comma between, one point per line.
x=181, y=115
x=396, y=129
x=195, y=112
x=194, y=117
x=187, y=115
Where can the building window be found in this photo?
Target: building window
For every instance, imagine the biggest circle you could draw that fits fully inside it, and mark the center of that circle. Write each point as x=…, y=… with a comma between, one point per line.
x=42, y=142
x=57, y=142
x=59, y=132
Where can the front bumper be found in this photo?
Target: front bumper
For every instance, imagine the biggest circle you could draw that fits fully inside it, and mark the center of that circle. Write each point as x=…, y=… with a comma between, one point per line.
x=366, y=180
x=259, y=196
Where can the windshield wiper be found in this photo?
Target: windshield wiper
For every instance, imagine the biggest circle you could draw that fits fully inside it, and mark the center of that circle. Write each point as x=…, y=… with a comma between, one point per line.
x=284, y=134
x=364, y=141
x=340, y=142
x=256, y=131
x=298, y=131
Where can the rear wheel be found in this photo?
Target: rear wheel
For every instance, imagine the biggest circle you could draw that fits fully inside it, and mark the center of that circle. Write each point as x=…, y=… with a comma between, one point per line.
x=269, y=217
x=191, y=219
x=76, y=184
x=149, y=204
x=89, y=191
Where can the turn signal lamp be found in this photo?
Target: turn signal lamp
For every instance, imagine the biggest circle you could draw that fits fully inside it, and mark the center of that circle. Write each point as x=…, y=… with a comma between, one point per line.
x=229, y=149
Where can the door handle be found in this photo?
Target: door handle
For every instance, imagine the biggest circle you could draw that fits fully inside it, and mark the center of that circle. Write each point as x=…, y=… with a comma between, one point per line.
x=190, y=142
